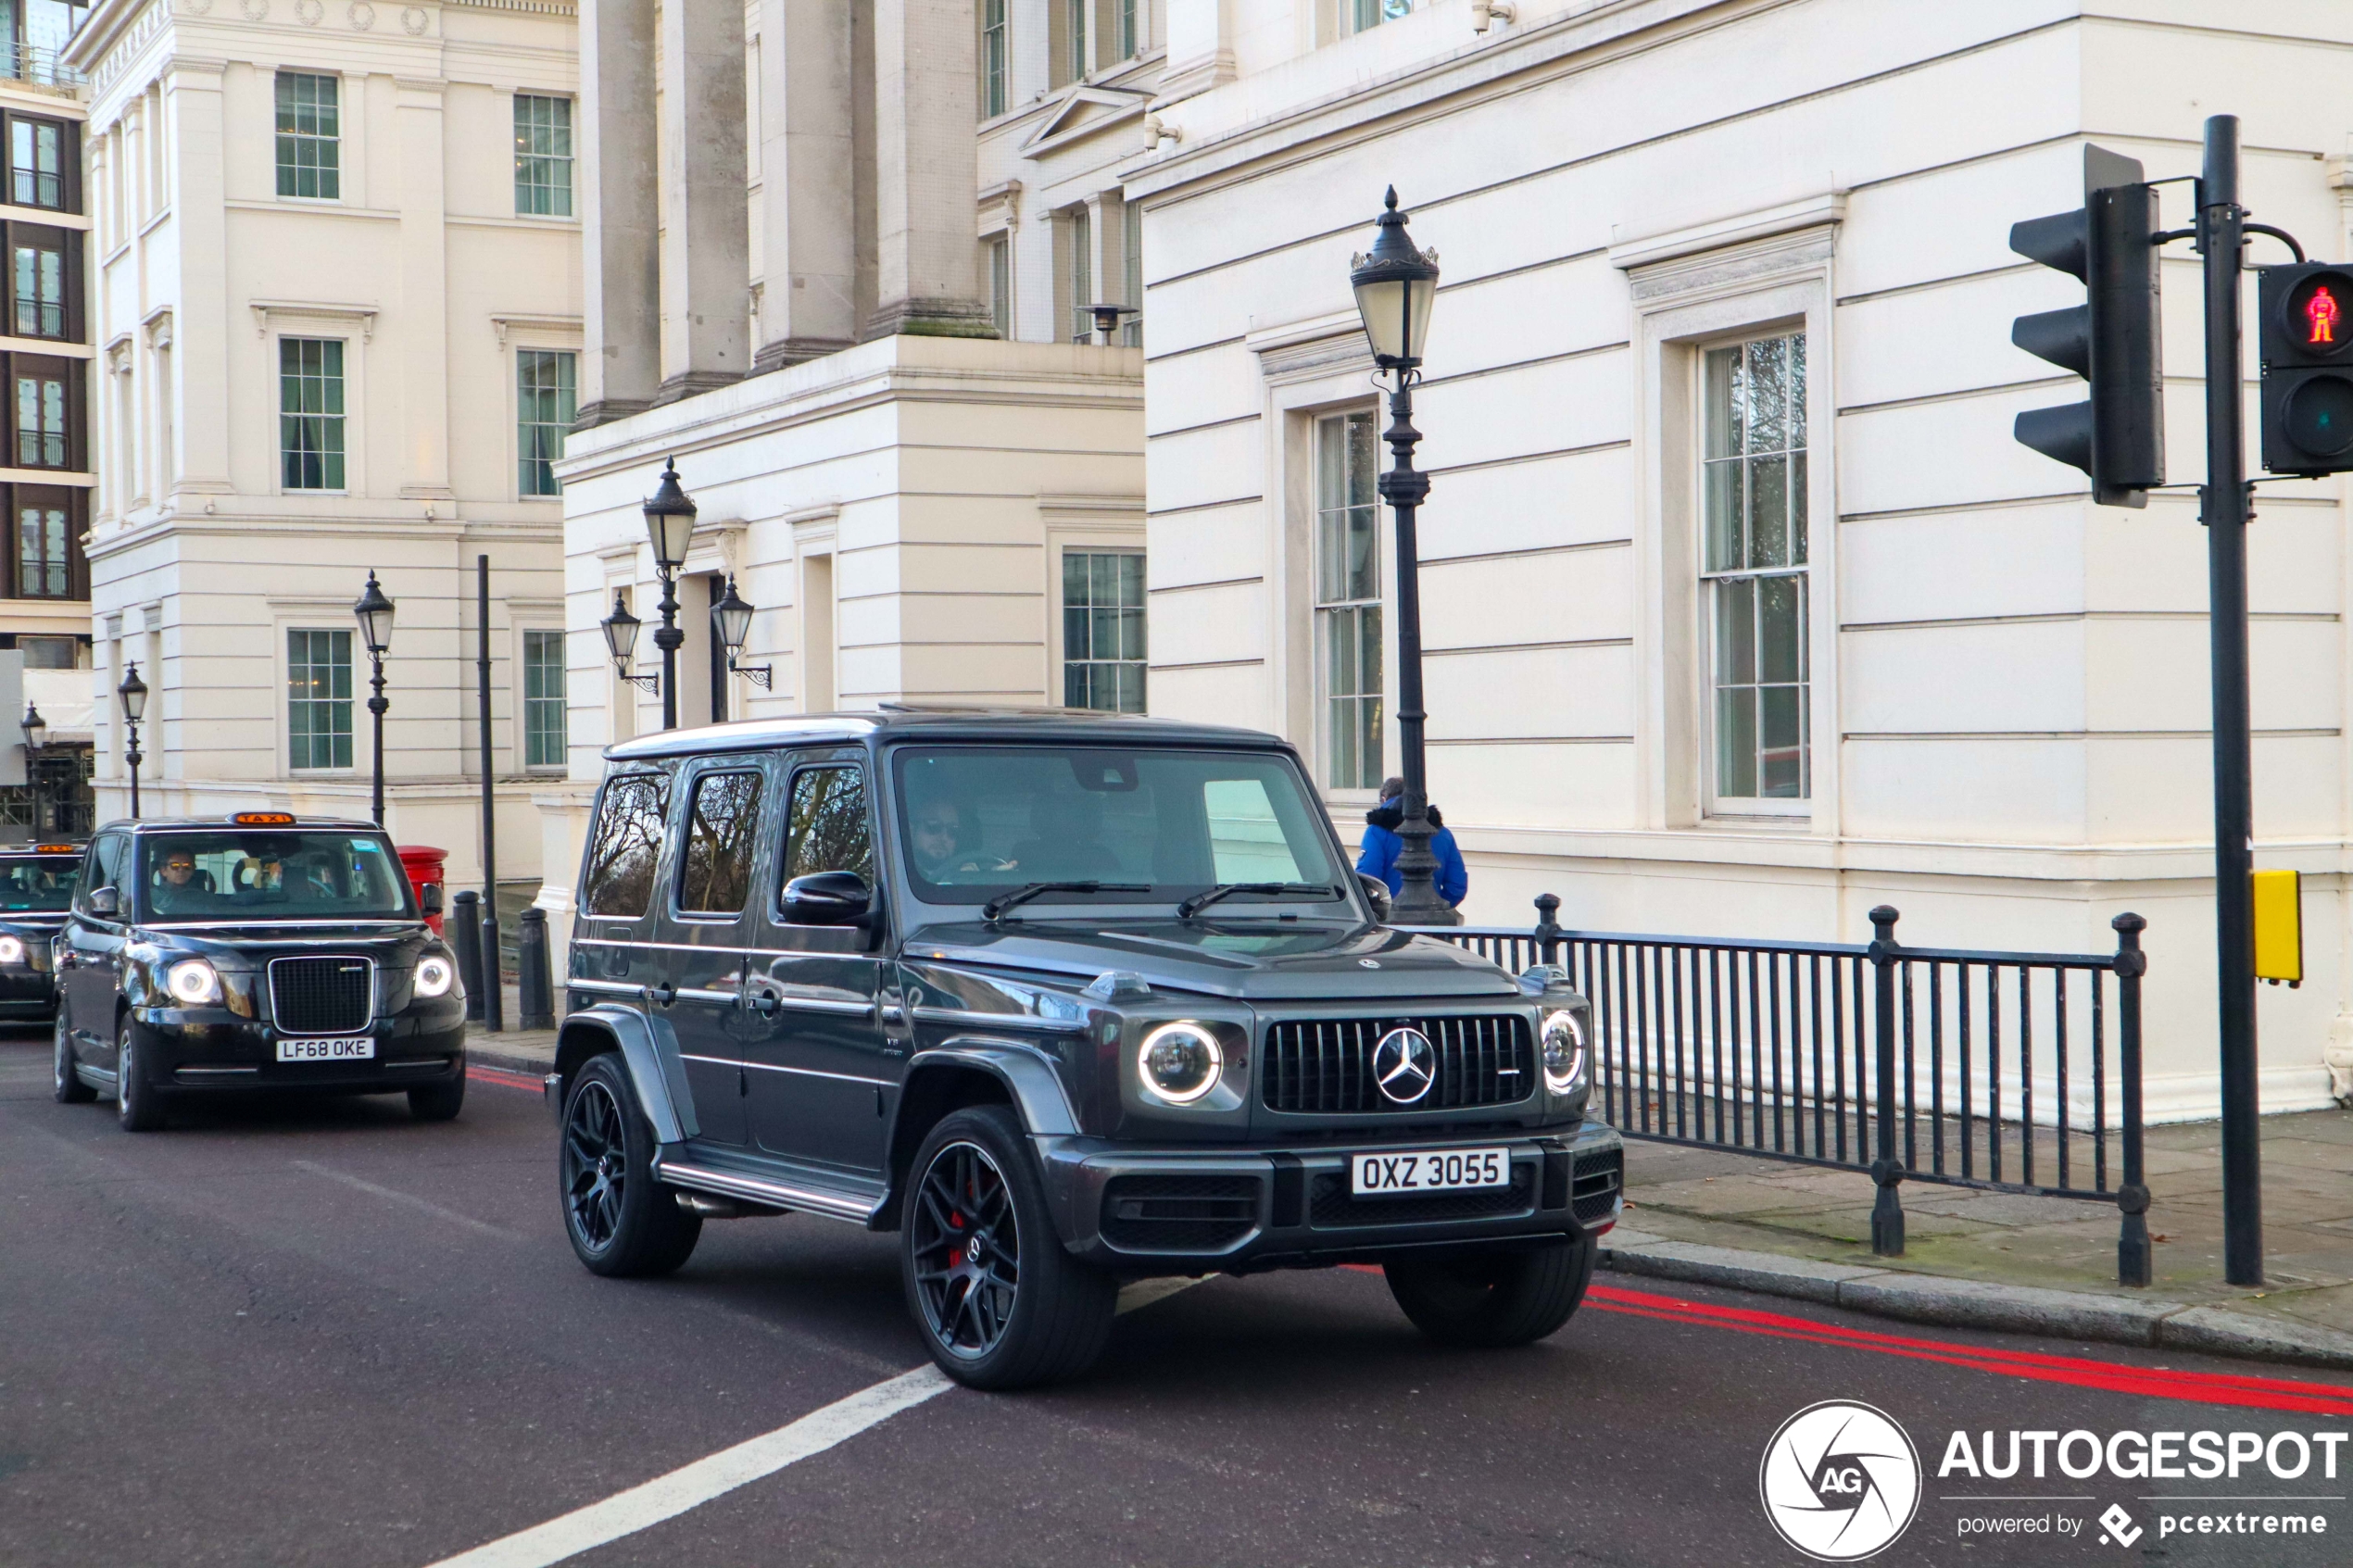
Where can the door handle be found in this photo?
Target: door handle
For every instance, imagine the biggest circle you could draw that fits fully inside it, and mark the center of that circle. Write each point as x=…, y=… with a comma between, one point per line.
x=766, y=1004
x=662, y=996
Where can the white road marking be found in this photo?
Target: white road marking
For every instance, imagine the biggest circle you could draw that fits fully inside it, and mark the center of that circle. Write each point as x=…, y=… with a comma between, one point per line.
x=666, y=1497
x=411, y=1200
x=1144, y=1292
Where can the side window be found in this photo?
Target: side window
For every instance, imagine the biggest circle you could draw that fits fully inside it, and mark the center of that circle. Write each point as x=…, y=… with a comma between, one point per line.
x=618, y=882
x=723, y=818
x=106, y=865
x=828, y=831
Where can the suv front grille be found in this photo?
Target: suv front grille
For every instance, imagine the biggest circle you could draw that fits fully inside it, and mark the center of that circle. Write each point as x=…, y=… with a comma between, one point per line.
x=323, y=996
x=1154, y=1214
x=1324, y=1066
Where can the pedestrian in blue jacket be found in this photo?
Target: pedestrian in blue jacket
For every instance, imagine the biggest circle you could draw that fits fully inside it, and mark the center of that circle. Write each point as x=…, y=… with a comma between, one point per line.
x=1382, y=846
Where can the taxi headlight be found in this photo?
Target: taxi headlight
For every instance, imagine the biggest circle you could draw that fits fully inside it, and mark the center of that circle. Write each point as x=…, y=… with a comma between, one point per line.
x=1179, y=1063
x=434, y=976
x=11, y=949
x=1563, y=1051
x=193, y=983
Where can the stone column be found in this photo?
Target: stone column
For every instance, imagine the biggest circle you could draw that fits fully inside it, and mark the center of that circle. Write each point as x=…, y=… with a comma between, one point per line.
x=809, y=258
x=202, y=311
x=621, y=270
x=423, y=339
x=926, y=172
x=706, y=239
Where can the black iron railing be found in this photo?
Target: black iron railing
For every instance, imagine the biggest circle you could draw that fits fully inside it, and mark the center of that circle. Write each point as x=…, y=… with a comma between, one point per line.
x=2015, y=1071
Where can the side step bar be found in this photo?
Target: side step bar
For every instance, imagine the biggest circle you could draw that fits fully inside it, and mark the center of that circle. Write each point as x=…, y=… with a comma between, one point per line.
x=731, y=1183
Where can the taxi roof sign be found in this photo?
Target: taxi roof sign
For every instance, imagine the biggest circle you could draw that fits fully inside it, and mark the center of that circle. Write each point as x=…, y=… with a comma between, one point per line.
x=57, y=848
x=262, y=818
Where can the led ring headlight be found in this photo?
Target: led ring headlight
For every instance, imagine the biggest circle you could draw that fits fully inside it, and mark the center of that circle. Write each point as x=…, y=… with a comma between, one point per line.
x=193, y=983
x=11, y=949
x=1563, y=1043
x=1179, y=1063
x=434, y=976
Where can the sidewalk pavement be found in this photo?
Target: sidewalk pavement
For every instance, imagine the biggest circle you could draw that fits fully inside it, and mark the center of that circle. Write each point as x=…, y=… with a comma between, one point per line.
x=1974, y=1258
x=1998, y=1260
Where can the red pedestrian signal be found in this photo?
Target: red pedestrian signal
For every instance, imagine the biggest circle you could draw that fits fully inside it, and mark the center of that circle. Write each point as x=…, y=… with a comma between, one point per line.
x=2320, y=318
x=2306, y=345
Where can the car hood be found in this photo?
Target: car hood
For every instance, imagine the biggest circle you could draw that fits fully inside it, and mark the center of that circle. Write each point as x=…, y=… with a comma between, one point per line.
x=257, y=942
x=1253, y=959
x=33, y=923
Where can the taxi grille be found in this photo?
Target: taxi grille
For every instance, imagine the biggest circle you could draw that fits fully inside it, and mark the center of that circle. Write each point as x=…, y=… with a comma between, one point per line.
x=322, y=996
x=1324, y=1066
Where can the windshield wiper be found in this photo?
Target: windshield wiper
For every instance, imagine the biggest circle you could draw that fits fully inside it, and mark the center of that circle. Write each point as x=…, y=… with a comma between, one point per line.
x=997, y=906
x=1200, y=901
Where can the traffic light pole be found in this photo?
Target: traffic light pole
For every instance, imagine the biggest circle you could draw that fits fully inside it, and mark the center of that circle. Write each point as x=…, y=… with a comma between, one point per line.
x=2224, y=510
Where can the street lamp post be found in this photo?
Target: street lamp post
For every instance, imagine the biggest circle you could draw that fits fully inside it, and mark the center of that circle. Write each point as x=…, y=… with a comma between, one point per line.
x=1394, y=286
x=670, y=523
x=36, y=732
x=620, y=640
x=134, y=692
x=375, y=614
x=731, y=617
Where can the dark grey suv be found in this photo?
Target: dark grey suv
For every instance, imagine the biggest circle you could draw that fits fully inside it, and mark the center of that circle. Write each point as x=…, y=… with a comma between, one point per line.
x=1063, y=1000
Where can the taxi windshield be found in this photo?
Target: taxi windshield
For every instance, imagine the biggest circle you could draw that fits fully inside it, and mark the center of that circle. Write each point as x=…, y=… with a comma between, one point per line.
x=201, y=877
x=1150, y=825
x=37, y=883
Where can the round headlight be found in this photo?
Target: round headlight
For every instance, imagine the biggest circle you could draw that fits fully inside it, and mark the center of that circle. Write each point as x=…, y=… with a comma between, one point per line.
x=193, y=983
x=1179, y=1063
x=1563, y=1051
x=11, y=949
x=434, y=976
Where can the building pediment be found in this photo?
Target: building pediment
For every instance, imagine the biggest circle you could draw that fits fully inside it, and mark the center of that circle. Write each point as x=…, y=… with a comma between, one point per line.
x=1078, y=112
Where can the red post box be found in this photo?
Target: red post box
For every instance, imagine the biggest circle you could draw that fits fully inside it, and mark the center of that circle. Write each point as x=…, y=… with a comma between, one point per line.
x=424, y=865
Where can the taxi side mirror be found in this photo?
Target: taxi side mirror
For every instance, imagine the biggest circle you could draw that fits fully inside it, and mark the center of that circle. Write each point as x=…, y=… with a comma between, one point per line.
x=106, y=903
x=430, y=899
x=827, y=898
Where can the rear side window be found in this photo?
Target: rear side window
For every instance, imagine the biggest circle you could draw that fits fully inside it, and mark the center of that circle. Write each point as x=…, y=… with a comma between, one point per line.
x=828, y=831
x=625, y=849
x=106, y=865
x=722, y=820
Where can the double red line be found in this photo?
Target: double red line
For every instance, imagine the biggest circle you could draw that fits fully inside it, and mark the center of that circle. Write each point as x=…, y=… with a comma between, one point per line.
x=2196, y=1387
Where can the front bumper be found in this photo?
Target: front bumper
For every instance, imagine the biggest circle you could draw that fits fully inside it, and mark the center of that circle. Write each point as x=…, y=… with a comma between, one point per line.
x=1140, y=1211
x=25, y=993
x=211, y=1049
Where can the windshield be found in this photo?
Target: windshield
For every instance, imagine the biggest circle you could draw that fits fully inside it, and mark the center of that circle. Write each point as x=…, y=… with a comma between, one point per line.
x=979, y=822
x=235, y=875
x=37, y=883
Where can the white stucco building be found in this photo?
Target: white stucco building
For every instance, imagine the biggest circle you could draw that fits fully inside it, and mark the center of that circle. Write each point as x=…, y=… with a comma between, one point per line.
x=336, y=291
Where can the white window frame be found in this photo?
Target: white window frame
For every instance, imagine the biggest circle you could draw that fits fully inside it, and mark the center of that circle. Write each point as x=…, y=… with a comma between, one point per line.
x=1088, y=524
x=1715, y=289
x=546, y=617
x=570, y=161
x=313, y=614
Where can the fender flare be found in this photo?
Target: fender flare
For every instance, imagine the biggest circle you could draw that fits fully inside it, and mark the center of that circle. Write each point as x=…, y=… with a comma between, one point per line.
x=650, y=1051
x=1028, y=1074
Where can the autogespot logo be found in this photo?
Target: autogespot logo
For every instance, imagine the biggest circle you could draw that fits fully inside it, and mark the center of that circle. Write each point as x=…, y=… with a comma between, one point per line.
x=1840, y=1481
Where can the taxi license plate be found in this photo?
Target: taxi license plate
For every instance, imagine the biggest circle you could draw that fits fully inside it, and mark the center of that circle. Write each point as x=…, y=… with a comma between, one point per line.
x=1453, y=1169
x=356, y=1047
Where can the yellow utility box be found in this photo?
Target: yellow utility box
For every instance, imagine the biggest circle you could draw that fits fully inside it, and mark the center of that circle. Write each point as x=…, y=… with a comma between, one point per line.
x=2279, y=927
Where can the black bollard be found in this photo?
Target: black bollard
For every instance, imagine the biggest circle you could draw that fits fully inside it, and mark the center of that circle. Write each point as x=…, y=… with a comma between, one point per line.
x=465, y=940
x=537, y=1000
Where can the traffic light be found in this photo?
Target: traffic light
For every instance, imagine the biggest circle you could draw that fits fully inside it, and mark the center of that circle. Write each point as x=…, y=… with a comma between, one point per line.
x=2306, y=330
x=2111, y=340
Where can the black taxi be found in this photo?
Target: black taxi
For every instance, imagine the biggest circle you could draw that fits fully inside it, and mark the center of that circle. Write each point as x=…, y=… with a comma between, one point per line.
x=1063, y=1000
x=36, y=885
x=257, y=951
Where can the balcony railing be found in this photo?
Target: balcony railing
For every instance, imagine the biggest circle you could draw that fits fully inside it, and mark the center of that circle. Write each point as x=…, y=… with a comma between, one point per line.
x=37, y=65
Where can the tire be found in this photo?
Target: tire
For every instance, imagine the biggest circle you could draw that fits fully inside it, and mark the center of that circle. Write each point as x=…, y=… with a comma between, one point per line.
x=1040, y=1319
x=69, y=1088
x=438, y=1102
x=1487, y=1300
x=138, y=1105
x=622, y=1222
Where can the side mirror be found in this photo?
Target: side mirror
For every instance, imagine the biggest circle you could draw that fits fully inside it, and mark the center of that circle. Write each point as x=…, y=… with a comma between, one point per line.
x=827, y=898
x=1377, y=891
x=430, y=899
x=106, y=903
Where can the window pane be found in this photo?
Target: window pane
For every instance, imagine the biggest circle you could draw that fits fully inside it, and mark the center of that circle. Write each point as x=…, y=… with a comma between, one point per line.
x=310, y=413
x=1767, y=396
x=1781, y=744
x=1797, y=508
x=722, y=818
x=1723, y=422
x=1736, y=742
x=1796, y=389
x=1736, y=633
x=543, y=156
x=1781, y=629
x=1104, y=655
x=1722, y=502
x=319, y=699
x=830, y=830
x=1769, y=512
x=626, y=847
x=544, y=737
x=309, y=152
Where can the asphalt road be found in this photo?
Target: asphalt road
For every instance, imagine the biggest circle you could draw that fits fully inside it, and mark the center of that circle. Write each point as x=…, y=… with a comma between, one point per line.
x=318, y=1333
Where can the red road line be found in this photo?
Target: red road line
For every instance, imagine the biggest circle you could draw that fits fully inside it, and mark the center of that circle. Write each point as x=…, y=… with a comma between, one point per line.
x=475, y=1073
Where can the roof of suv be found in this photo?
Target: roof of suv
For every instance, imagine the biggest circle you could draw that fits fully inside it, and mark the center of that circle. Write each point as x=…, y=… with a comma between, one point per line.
x=938, y=723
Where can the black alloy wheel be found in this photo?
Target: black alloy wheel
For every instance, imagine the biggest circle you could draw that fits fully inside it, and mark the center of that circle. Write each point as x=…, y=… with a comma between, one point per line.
x=622, y=1222
x=68, y=1089
x=1000, y=1300
x=138, y=1105
x=1487, y=1300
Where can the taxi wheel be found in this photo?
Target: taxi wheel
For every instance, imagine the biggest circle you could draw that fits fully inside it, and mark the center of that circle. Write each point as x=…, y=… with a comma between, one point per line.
x=1487, y=1300
x=69, y=1088
x=1000, y=1302
x=438, y=1102
x=137, y=1106
x=620, y=1220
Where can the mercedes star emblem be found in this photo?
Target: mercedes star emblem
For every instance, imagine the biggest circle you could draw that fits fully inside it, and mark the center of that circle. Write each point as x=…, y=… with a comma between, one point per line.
x=1405, y=1065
